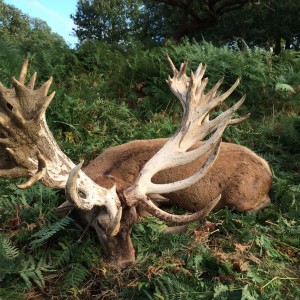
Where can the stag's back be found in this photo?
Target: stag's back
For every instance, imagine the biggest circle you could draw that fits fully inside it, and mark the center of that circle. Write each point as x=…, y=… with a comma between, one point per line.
x=242, y=177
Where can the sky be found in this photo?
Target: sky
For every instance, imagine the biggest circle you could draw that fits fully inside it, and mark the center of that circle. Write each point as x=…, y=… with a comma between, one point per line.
x=55, y=12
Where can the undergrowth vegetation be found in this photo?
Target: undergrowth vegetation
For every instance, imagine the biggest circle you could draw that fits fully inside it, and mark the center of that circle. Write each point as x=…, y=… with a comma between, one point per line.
x=107, y=96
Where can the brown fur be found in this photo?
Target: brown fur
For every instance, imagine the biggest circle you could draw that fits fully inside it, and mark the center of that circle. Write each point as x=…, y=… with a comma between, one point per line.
x=242, y=177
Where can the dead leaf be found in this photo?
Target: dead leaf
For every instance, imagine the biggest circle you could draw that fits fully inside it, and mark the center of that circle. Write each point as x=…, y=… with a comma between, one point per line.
x=203, y=232
x=241, y=248
x=221, y=255
x=240, y=266
x=254, y=259
x=31, y=226
x=154, y=271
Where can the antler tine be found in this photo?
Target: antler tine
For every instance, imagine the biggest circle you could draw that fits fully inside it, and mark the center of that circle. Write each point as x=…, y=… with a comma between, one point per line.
x=23, y=72
x=212, y=93
x=239, y=120
x=191, y=136
x=42, y=166
x=31, y=83
x=183, y=67
x=179, y=219
x=198, y=81
x=179, y=77
x=184, y=158
x=200, y=70
x=44, y=89
x=195, y=125
x=171, y=64
x=72, y=194
x=224, y=96
x=39, y=115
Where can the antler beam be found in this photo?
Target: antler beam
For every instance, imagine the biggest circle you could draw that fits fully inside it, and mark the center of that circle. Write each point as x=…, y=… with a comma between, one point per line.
x=29, y=149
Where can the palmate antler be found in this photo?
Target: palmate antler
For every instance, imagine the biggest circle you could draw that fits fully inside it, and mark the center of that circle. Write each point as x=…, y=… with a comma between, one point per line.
x=28, y=148
x=195, y=126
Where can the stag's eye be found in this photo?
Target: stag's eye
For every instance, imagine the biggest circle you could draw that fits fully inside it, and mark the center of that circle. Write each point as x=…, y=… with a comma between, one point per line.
x=82, y=194
x=100, y=226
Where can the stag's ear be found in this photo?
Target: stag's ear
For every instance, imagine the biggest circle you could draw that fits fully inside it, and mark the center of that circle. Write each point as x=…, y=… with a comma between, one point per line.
x=118, y=182
x=64, y=209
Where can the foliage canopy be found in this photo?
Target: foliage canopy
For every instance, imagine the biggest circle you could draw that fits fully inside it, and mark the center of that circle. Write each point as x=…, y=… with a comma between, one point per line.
x=266, y=23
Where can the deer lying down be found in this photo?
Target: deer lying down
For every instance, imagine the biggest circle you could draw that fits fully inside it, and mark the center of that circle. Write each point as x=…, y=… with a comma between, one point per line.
x=241, y=177
x=112, y=191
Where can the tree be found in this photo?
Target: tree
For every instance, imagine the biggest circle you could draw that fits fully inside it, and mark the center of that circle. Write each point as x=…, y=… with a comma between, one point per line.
x=25, y=35
x=185, y=17
x=273, y=23
x=24, y=30
x=106, y=20
x=13, y=22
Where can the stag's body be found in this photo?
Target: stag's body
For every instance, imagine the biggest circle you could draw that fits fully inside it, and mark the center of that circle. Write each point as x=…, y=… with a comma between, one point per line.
x=241, y=177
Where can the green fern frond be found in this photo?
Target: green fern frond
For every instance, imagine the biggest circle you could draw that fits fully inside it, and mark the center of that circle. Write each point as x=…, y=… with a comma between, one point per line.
x=9, y=202
x=42, y=236
x=221, y=291
x=63, y=257
x=284, y=87
x=7, y=249
x=31, y=271
x=75, y=277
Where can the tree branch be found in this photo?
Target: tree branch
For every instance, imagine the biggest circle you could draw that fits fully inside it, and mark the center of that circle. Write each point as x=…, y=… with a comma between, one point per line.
x=206, y=17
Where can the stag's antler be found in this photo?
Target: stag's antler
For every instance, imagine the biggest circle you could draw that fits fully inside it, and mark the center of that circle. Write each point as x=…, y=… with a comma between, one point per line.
x=28, y=148
x=194, y=127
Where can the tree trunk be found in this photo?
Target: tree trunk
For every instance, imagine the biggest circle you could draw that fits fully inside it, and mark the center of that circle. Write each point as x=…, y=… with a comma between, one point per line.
x=277, y=48
x=288, y=44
